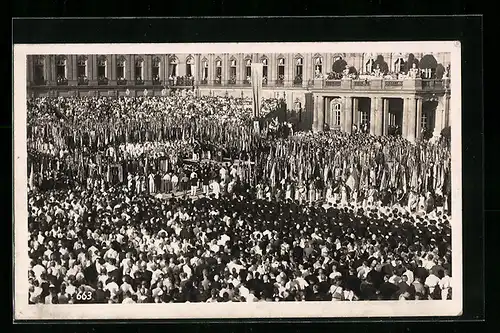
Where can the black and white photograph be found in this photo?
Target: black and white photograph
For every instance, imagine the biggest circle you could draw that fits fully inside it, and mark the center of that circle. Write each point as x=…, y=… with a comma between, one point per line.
x=267, y=179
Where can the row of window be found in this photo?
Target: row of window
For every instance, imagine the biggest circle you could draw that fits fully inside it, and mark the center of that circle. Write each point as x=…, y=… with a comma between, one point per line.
x=365, y=117
x=102, y=65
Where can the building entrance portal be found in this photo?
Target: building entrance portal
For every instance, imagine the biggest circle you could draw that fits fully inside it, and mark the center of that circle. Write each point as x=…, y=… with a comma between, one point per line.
x=394, y=115
x=362, y=114
x=428, y=119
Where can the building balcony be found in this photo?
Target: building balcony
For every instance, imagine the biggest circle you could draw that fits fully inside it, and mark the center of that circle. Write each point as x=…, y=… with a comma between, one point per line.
x=121, y=81
x=39, y=82
x=231, y=82
x=393, y=84
x=333, y=83
x=297, y=82
x=156, y=82
x=279, y=83
x=217, y=82
x=82, y=81
x=102, y=81
x=62, y=81
x=139, y=81
x=204, y=82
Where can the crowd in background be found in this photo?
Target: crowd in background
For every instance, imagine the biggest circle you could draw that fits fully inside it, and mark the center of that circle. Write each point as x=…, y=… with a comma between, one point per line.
x=178, y=198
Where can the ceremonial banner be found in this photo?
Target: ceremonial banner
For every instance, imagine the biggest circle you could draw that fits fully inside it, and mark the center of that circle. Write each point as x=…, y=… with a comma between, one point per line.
x=257, y=69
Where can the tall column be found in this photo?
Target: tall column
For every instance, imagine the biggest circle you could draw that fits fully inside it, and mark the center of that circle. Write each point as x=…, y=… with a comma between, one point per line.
x=112, y=67
x=272, y=68
x=404, y=127
x=315, y=114
x=74, y=65
x=321, y=113
x=225, y=65
x=418, y=123
x=130, y=73
x=210, y=68
x=386, y=116
x=410, y=120
x=438, y=118
x=447, y=112
x=53, y=73
x=197, y=73
x=92, y=64
x=348, y=103
x=148, y=68
x=373, y=115
x=355, y=112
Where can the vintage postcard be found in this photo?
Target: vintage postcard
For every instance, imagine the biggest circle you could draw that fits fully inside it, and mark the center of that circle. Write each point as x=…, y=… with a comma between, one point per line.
x=237, y=180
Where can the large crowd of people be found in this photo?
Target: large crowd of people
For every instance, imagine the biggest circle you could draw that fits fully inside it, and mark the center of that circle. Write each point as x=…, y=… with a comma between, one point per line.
x=180, y=198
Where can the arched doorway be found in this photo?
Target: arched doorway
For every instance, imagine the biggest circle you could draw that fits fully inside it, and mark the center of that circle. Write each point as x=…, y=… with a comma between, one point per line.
x=428, y=118
x=395, y=116
x=334, y=113
x=361, y=113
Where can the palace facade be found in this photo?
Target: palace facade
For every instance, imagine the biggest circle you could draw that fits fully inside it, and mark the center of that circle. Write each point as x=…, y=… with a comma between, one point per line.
x=409, y=92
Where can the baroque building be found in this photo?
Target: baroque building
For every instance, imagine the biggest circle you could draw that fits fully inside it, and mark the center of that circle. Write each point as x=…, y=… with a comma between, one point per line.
x=409, y=92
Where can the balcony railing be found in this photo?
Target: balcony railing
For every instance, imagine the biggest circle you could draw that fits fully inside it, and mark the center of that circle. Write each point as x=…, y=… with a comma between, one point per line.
x=102, y=81
x=333, y=83
x=39, y=82
x=393, y=83
x=156, y=82
x=62, y=81
x=231, y=82
x=248, y=83
x=121, y=82
x=181, y=82
x=139, y=82
x=279, y=83
x=361, y=83
x=429, y=84
x=204, y=82
x=83, y=81
x=297, y=83
x=217, y=82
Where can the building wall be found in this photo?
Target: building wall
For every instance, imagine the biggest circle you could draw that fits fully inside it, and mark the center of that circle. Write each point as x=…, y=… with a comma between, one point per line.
x=358, y=60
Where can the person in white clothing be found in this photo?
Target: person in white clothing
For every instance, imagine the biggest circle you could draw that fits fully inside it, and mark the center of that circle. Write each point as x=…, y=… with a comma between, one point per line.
x=445, y=285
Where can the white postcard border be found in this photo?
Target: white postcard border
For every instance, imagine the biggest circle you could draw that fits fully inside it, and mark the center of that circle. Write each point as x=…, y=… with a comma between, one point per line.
x=24, y=311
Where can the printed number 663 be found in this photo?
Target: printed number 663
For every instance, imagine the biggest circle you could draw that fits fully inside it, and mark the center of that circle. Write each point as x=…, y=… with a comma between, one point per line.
x=84, y=296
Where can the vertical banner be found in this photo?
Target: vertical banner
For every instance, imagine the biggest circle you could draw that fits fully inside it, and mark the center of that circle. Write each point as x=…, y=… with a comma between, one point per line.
x=257, y=69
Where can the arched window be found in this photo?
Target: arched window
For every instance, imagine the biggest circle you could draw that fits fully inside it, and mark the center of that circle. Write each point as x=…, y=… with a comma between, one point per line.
x=189, y=66
x=82, y=66
x=120, y=68
x=218, y=70
x=102, y=64
x=299, y=66
x=205, y=68
x=248, y=68
x=369, y=66
x=265, y=63
x=155, y=69
x=232, y=70
x=139, y=69
x=39, y=69
x=61, y=68
x=173, y=66
x=281, y=70
x=399, y=65
x=318, y=66
x=336, y=114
